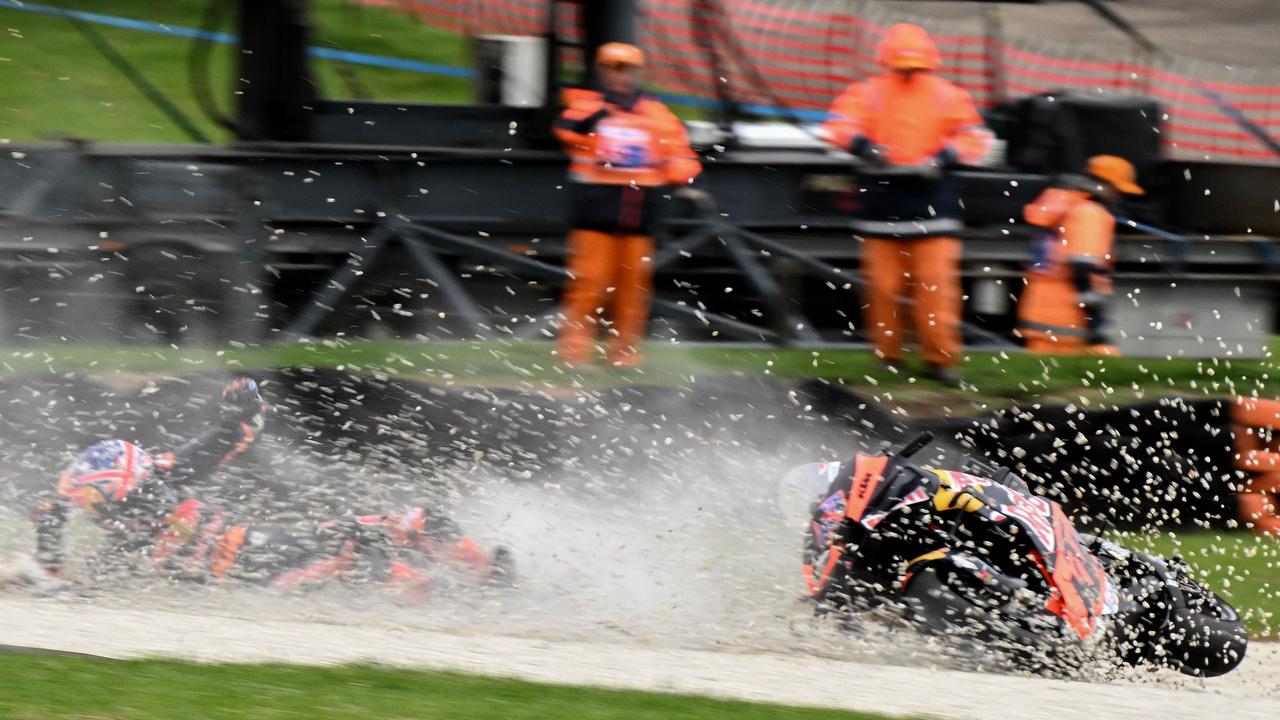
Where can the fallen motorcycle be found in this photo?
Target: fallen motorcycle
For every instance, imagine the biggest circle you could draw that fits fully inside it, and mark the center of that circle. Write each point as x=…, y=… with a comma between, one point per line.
x=977, y=553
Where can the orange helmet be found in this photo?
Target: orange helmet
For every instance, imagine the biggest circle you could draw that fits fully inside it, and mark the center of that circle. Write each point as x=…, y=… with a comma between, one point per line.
x=616, y=53
x=1115, y=170
x=908, y=47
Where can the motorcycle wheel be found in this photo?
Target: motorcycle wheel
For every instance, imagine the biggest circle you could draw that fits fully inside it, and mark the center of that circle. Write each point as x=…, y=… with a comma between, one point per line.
x=936, y=608
x=1206, y=638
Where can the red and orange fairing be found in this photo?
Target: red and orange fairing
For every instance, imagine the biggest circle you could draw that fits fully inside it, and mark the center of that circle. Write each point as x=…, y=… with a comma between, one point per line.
x=868, y=473
x=1079, y=585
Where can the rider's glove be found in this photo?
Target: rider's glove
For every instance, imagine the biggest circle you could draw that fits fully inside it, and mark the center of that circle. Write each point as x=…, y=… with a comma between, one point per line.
x=945, y=159
x=869, y=152
x=241, y=400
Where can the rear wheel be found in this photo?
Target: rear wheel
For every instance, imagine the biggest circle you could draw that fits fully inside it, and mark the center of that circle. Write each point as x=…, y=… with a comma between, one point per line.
x=938, y=608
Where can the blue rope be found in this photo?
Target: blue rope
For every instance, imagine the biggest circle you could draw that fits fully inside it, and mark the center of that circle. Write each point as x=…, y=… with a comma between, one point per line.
x=358, y=58
x=355, y=58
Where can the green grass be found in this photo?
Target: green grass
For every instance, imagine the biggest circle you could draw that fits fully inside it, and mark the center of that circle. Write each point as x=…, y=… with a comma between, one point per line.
x=55, y=83
x=41, y=687
x=1243, y=568
x=996, y=378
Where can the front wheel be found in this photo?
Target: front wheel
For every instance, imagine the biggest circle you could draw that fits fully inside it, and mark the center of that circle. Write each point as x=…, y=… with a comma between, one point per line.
x=1205, y=638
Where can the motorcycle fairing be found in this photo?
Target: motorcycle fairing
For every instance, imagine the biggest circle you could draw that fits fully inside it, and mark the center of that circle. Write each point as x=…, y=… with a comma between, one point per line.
x=1080, y=587
x=871, y=520
x=868, y=474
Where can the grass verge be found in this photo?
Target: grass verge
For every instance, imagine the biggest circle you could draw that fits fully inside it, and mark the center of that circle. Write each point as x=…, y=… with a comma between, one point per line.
x=42, y=687
x=1243, y=568
x=994, y=379
x=56, y=84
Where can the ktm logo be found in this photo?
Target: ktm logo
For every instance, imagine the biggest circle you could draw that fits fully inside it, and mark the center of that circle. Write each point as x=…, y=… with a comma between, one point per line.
x=863, y=483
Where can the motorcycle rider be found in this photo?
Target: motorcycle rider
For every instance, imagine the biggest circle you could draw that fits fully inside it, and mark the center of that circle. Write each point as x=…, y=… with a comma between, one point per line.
x=134, y=496
x=143, y=502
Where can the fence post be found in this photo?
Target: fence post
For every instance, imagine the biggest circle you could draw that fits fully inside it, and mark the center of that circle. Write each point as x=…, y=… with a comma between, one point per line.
x=247, y=297
x=993, y=47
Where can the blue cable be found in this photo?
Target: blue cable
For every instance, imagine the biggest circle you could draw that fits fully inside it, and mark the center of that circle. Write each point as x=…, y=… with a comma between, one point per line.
x=1151, y=229
x=358, y=58
x=355, y=58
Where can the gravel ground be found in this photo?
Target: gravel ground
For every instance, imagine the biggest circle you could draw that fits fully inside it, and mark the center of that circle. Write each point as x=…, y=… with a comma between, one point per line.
x=791, y=678
x=608, y=596
x=684, y=578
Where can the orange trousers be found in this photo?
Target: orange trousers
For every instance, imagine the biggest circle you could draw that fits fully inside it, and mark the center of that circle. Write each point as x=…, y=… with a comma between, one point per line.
x=611, y=276
x=1049, y=315
x=932, y=267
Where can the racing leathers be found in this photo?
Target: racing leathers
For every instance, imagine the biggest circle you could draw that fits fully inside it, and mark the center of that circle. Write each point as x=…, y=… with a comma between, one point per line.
x=425, y=533
x=152, y=520
x=401, y=550
x=138, y=499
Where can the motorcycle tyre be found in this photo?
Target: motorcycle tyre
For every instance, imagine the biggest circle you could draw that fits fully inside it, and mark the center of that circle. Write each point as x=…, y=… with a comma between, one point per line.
x=1204, y=645
x=937, y=609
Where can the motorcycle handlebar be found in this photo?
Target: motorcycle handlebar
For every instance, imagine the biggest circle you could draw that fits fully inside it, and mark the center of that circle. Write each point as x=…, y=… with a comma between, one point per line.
x=919, y=443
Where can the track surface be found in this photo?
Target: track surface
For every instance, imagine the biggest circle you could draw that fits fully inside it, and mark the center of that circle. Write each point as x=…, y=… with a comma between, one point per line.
x=792, y=679
x=653, y=593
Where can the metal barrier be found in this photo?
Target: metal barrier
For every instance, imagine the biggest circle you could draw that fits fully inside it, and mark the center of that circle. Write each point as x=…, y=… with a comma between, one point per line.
x=743, y=248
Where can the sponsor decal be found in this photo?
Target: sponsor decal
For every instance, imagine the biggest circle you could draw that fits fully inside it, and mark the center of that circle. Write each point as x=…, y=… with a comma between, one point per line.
x=832, y=512
x=1036, y=514
x=623, y=146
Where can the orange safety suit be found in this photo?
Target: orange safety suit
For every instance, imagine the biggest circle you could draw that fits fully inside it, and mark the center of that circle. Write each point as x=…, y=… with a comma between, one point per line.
x=623, y=153
x=907, y=222
x=1068, y=283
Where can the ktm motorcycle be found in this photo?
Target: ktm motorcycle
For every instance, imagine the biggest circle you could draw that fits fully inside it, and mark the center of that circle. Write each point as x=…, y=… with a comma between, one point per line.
x=977, y=553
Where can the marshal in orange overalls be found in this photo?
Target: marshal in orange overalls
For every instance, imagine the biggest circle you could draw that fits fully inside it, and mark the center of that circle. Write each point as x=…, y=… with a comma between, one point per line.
x=1068, y=284
x=909, y=117
x=625, y=149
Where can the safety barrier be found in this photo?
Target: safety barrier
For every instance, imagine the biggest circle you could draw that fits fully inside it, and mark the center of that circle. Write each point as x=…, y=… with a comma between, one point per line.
x=796, y=56
x=745, y=250
x=1254, y=423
